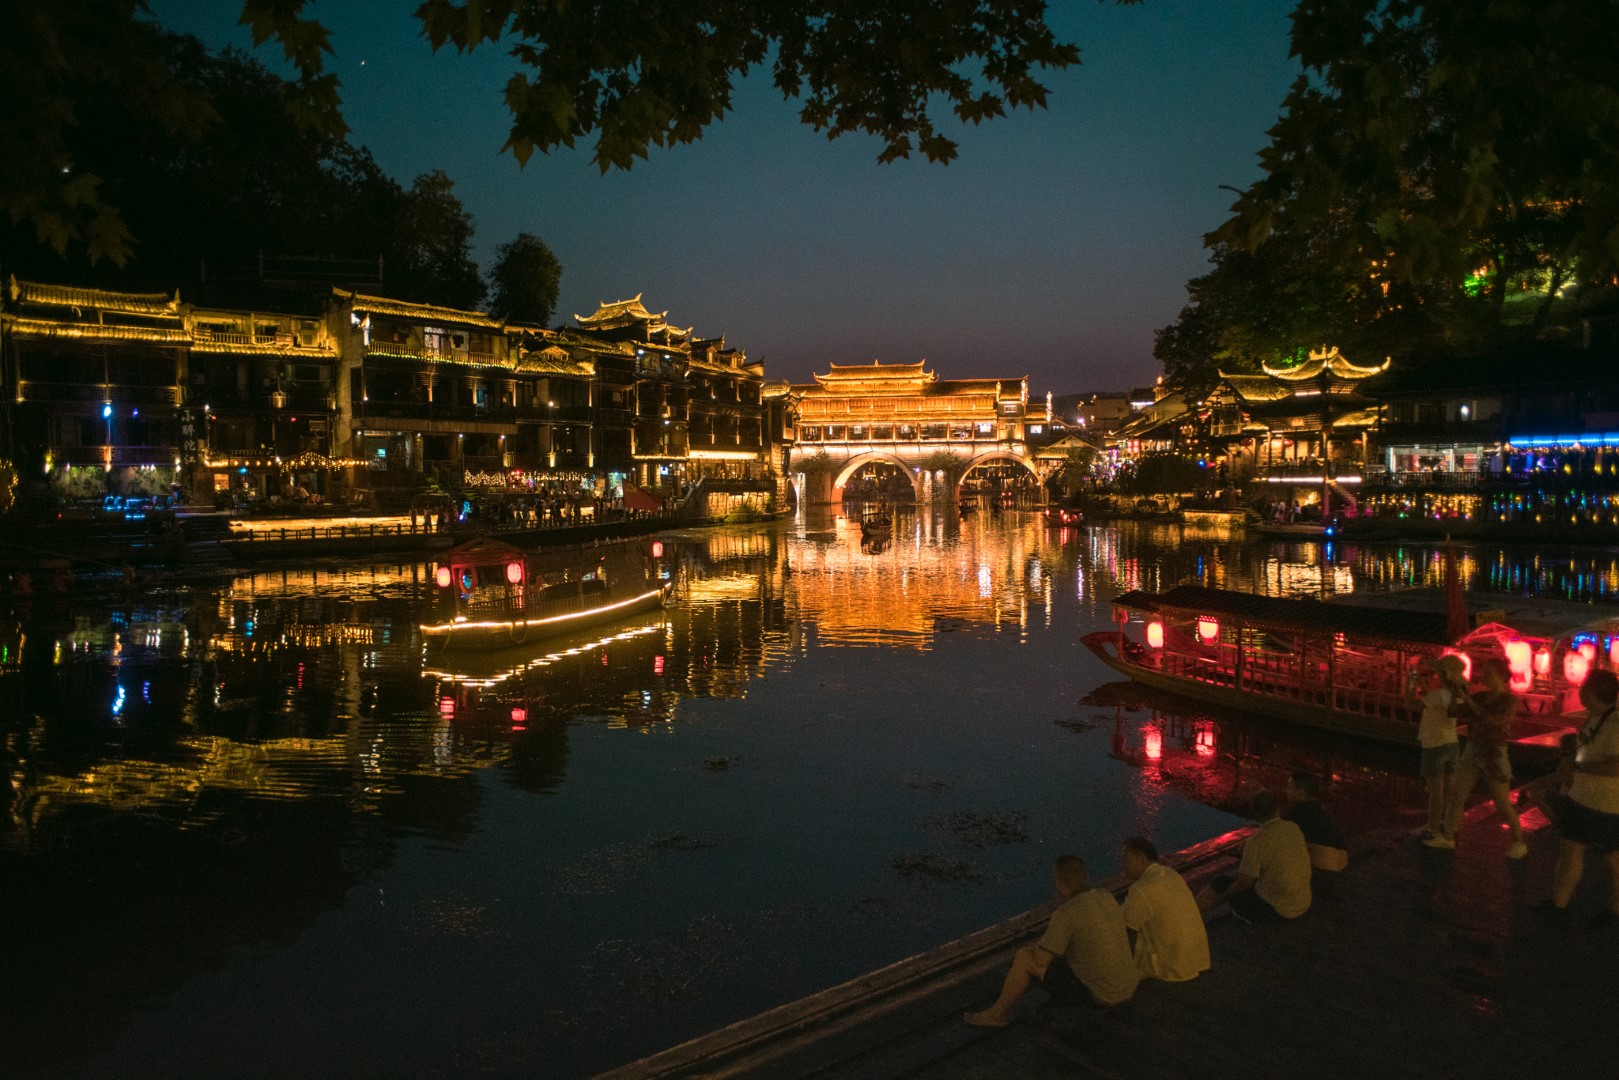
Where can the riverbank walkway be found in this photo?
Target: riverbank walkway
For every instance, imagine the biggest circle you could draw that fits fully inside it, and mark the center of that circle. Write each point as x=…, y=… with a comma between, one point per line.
x=1415, y=963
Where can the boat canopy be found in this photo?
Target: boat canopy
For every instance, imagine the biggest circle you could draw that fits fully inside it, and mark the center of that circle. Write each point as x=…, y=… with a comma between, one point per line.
x=1362, y=624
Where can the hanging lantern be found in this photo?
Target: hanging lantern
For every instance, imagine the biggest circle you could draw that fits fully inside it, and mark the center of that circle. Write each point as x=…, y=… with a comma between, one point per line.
x=1576, y=667
x=1155, y=635
x=1543, y=661
x=514, y=572
x=1153, y=744
x=1208, y=629
x=657, y=549
x=1613, y=650
x=1588, y=649
x=443, y=577
x=1520, y=682
x=519, y=715
x=1519, y=657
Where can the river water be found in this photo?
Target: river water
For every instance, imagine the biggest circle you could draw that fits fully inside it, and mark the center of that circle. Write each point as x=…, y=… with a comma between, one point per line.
x=253, y=830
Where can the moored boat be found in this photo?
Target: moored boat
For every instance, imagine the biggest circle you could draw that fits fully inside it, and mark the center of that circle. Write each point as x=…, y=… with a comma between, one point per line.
x=1340, y=666
x=1293, y=530
x=1065, y=517
x=877, y=522
x=500, y=597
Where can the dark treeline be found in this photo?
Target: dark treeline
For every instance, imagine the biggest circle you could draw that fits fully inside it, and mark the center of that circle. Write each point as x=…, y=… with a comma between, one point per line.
x=216, y=178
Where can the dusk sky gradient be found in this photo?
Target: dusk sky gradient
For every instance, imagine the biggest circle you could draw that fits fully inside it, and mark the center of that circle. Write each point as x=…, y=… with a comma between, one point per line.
x=1053, y=247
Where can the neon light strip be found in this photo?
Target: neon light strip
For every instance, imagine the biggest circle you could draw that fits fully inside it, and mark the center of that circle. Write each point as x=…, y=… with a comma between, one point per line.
x=444, y=628
x=1590, y=438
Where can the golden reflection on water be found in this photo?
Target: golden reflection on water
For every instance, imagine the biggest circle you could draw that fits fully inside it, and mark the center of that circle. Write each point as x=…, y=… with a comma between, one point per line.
x=285, y=685
x=987, y=574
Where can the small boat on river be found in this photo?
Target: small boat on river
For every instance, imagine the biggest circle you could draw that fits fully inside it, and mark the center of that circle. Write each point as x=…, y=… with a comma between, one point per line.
x=1065, y=517
x=1292, y=530
x=878, y=522
x=1344, y=666
x=500, y=597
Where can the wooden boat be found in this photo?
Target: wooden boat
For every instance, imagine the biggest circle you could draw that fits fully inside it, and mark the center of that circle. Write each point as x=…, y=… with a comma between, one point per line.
x=1065, y=517
x=879, y=521
x=1293, y=530
x=1338, y=666
x=500, y=597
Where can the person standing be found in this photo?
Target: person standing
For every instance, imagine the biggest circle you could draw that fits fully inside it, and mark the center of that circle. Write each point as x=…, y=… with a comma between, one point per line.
x=1442, y=692
x=1485, y=758
x=1172, y=943
x=1272, y=881
x=1588, y=812
x=1084, y=957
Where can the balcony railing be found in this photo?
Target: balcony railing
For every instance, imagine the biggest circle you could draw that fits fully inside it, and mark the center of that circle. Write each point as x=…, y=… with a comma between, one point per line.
x=236, y=337
x=145, y=396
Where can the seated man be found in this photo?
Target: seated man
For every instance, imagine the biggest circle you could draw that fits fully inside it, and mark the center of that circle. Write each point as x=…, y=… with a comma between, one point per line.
x=1084, y=957
x=1328, y=849
x=1272, y=881
x=1171, y=942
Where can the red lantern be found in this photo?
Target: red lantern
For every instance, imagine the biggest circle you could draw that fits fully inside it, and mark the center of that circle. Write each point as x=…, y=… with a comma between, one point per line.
x=1576, y=667
x=1519, y=657
x=1208, y=629
x=514, y=572
x=657, y=549
x=1155, y=635
x=443, y=577
x=1543, y=661
x=519, y=715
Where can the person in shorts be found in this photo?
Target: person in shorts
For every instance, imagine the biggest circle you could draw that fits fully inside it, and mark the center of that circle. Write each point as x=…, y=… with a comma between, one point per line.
x=1588, y=811
x=1439, y=687
x=1083, y=959
x=1492, y=711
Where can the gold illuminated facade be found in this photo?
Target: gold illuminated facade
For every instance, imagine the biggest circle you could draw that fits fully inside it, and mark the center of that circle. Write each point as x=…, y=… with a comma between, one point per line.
x=369, y=395
x=905, y=415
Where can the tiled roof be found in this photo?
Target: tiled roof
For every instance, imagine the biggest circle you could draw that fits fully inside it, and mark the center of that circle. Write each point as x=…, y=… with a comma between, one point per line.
x=33, y=293
x=87, y=331
x=427, y=313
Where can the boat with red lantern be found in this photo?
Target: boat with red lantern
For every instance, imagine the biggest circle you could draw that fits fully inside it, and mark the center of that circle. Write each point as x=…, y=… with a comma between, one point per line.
x=499, y=596
x=1345, y=666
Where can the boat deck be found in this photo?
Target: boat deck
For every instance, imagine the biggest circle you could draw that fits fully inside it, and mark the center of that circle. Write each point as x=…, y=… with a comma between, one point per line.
x=1417, y=964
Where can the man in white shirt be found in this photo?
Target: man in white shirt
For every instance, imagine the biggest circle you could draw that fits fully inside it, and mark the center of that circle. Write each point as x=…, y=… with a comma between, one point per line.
x=1171, y=942
x=1272, y=881
x=1083, y=959
x=1588, y=814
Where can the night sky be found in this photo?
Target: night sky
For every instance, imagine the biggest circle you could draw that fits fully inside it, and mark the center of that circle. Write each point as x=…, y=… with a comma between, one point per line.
x=1053, y=247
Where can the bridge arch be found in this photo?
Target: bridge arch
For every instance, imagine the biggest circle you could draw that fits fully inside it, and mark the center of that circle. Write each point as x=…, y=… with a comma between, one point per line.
x=860, y=461
x=999, y=455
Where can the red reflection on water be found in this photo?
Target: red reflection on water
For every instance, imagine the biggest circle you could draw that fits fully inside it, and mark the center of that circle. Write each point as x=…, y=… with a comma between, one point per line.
x=1204, y=739
x=519, y=715
x=657, y=665
x=446, y=707
x=1153, y=741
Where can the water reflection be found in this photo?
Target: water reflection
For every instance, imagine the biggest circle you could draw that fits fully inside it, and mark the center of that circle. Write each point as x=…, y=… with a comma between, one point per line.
x=1221, y=759
x=271, y=777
